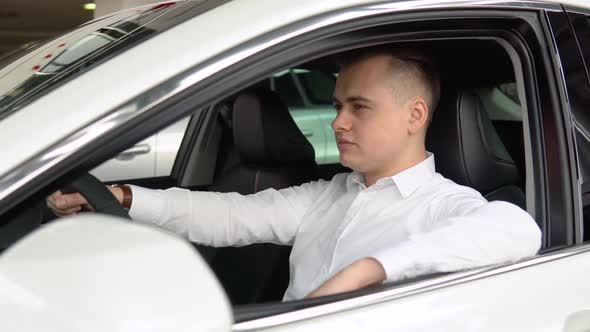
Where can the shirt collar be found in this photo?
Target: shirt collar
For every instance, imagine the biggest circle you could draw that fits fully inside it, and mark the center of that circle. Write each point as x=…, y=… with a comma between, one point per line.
x=355, y=177
x=409, y=180
x=406, y=181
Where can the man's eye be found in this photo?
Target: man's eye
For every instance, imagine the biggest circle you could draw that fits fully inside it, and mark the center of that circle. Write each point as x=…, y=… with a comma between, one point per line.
x=358, y=107
x=337, y=107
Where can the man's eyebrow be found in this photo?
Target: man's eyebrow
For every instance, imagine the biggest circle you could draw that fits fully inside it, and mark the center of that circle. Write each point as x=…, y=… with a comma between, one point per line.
x=353, y=99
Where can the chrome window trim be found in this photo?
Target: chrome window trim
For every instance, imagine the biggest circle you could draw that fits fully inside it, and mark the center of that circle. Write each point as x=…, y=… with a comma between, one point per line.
x=27, y=171
x=404, y=291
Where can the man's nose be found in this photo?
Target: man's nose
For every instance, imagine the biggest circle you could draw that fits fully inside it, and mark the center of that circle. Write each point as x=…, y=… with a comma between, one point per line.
x=341, y=122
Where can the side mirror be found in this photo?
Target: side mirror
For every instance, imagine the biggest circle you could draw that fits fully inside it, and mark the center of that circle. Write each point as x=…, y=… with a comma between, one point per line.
x=98, y=273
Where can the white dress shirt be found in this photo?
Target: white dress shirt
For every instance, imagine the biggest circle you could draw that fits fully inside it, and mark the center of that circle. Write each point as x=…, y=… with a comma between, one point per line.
x=413, y=223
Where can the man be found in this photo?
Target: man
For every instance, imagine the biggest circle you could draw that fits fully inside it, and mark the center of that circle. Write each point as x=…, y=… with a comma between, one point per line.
x=394, y=217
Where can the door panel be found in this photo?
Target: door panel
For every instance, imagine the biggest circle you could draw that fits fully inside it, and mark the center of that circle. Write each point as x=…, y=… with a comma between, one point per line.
x=544, y=297
x=150, y=158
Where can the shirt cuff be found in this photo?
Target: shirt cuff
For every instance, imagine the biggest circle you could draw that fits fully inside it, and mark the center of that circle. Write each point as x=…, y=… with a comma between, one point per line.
x=401, y=262
x=146, y=206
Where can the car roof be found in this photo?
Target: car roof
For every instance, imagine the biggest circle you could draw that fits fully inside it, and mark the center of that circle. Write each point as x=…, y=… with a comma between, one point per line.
x=90, y=96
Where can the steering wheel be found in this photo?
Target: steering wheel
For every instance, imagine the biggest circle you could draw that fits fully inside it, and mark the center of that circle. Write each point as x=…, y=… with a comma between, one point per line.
x=26, y=220
x=97, y=194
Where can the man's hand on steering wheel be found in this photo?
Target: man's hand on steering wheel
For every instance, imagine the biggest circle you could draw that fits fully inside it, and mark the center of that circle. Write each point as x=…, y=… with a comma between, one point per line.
x=65, y=204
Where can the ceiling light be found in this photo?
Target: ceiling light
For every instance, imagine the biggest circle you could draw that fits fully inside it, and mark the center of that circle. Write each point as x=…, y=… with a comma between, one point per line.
x=89, y=6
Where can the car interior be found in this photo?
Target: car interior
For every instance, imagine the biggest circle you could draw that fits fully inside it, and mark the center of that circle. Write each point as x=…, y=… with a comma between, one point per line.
x=248, y=142
x=258, y=146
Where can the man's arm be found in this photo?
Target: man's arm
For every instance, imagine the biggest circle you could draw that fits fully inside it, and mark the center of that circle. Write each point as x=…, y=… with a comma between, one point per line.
x=492, y=233
x=218, y=219
x=227, y=219
x=360, y=274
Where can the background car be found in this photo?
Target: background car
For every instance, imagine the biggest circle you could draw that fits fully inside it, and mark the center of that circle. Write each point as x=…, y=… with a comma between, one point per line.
x=94, y=271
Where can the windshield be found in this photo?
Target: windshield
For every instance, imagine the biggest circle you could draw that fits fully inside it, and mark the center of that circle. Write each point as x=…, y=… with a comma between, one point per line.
x=49, y=65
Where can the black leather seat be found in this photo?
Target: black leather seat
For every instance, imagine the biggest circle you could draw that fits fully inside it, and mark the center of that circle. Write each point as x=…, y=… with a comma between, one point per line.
x=469, y=151
x=269, y=151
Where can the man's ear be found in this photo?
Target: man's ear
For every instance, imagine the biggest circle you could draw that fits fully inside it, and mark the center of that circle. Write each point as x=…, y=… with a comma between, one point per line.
x=418, y=119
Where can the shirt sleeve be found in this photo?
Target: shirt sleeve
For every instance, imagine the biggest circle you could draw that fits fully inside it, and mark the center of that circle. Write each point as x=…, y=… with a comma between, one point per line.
x=489, y=233
x=226, y=219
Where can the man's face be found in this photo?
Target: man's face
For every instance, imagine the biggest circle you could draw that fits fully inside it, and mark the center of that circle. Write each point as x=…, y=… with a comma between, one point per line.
x=371, y=126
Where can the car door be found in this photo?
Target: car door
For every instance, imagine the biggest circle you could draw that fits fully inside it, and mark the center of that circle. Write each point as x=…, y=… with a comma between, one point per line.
x=151, y=158
x=136, y=162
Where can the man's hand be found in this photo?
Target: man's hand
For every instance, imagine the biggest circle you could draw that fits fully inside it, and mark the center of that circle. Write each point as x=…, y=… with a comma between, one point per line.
x=360, y=274
x=67, y=204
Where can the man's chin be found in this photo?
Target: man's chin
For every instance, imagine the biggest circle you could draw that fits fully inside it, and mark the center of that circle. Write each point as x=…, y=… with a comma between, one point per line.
x=347, y=162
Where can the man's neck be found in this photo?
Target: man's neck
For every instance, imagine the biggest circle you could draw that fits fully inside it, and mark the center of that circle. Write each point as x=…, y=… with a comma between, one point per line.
x=372, y=177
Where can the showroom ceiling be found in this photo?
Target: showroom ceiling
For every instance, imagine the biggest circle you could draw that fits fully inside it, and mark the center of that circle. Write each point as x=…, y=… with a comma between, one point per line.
x=23, y=21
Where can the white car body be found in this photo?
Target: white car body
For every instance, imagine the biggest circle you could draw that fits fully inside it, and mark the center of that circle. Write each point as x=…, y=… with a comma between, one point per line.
x=550, y=292
x=152, y=157
x=94, y=276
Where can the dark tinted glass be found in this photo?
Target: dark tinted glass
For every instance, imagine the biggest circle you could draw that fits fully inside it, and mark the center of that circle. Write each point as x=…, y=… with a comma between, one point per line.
x=319, y=86
x=581, y=25
x=576, y=74
x=283, y=84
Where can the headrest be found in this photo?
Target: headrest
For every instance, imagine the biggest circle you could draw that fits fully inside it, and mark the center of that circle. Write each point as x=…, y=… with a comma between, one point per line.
x=466, y=146
x=265, y=133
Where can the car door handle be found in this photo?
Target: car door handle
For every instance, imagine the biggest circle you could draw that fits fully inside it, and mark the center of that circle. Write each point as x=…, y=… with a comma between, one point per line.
x=134, y=151
x=307, y=133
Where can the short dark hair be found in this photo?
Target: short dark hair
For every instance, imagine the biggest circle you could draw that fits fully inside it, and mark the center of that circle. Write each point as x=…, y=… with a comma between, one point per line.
x=412, y=61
